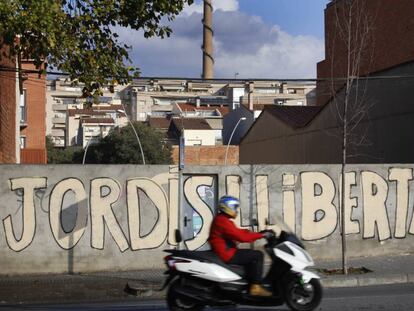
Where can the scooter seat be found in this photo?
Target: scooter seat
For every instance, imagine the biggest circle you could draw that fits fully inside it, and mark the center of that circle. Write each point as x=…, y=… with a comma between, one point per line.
x=207, y=256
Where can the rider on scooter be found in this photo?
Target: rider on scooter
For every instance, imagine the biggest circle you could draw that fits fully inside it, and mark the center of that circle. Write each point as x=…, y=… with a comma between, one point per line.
x=223, y=239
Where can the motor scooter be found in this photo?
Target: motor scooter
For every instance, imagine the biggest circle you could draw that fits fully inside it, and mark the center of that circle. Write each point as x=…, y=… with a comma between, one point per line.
x=197, y=279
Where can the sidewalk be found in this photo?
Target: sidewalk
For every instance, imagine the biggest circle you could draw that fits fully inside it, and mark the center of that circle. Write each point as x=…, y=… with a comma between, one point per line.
x=145, y=284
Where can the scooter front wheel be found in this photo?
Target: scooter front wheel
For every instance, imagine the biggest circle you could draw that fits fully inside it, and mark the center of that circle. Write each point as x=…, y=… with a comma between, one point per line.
x=303, y=297
x=178, y=302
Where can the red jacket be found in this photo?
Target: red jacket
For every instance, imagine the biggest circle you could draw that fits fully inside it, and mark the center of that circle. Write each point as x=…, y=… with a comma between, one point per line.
x=224, y=234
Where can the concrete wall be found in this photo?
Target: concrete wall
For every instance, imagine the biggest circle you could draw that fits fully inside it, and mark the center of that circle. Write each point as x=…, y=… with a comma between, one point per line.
x=68, y=218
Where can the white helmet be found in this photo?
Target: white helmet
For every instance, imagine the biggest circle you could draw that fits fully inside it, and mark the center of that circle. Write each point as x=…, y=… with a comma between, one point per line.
x=229, y=205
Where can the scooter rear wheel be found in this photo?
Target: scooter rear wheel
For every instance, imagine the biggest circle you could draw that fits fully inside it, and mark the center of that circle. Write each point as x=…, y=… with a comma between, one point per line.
x=178, y=302
x=304, y=297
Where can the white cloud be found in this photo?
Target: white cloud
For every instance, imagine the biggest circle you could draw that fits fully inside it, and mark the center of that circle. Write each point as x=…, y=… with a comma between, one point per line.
x=284, y=56
x=226, y=5
x=223, y=5
x=242, y=43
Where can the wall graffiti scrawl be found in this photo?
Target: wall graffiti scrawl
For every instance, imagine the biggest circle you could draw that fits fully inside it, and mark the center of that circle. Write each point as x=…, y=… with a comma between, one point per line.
x=377, y=205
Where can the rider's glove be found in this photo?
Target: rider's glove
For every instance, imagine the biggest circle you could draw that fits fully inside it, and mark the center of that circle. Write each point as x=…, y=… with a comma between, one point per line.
x=267, y=234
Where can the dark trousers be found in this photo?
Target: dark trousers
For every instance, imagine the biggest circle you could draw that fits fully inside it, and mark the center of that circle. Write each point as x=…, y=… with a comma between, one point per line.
x=252, y=260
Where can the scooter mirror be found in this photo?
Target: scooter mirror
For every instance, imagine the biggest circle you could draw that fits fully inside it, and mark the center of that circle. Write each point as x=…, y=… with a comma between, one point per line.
x=178, y=237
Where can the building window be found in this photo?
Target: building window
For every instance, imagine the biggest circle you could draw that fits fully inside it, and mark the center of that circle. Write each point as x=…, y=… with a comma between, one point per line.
x=22, y=106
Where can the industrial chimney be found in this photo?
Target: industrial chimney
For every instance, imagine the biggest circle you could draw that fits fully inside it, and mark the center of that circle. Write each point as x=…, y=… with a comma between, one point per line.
x=208, y=60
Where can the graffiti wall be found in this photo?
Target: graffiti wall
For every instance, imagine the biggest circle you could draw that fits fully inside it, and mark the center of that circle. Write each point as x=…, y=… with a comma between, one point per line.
x=71, y=218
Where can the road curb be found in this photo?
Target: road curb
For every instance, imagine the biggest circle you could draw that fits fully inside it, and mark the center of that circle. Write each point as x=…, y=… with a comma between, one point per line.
x=367, y=280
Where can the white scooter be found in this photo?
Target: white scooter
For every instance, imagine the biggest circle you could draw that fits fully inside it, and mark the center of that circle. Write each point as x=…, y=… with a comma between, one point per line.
x=199, y=278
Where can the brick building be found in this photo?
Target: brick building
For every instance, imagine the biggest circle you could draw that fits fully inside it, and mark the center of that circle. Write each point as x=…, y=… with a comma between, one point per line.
x=22, y=114
x=33, y=117
x=8, y=108
x=383, y=39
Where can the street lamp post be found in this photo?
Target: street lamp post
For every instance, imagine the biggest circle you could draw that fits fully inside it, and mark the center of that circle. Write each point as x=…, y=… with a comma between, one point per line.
x=231, y=136
x=136, y=134
x=86, y=148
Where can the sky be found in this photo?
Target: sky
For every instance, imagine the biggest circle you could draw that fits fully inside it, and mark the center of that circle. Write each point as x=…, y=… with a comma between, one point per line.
x=252, y=39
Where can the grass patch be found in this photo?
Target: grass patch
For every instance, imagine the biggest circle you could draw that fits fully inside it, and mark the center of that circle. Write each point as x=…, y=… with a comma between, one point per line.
x=339, y=271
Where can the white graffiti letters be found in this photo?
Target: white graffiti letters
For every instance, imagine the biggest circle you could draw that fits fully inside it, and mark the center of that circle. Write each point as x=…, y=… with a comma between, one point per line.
x=375, y=191
x=289, y=211
x=157, y=195
x=67, y=240
x=104, y=193
x=351, y=225
x=29, y=214
x=190, y=192
x=402, y=176
x=319, y=215
x=142, y=213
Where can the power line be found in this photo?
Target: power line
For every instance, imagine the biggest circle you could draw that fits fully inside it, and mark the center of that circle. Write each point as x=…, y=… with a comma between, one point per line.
x=378, y=77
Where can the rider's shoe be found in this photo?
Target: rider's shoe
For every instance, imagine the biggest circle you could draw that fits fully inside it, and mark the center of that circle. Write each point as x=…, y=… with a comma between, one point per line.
x=258, y=290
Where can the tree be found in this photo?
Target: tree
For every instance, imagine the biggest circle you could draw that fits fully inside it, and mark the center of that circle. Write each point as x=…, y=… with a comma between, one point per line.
x=79, y=37
x=59, y=155
x=353, y=43
x=120, y=146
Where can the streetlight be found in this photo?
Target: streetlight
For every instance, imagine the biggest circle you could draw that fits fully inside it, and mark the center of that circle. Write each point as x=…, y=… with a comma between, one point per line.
x=86, y=148
x=231, y=136
x=135, y=132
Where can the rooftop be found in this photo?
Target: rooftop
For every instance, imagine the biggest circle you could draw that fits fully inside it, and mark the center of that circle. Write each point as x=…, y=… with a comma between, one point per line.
x=295, y=116
x=191, y=124
x=98, y=121
x=190, y=107
x=159, y=123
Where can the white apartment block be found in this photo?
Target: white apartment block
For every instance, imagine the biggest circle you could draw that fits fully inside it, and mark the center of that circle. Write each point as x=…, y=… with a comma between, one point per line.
x=156, y=97
x=161, y=98
x=65, y=109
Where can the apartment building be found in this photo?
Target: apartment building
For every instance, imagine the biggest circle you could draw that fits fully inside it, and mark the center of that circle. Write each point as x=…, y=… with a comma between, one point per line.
x=212, y=99
x=156, y=97
x=67, y=109
x=93, y=129
x=96, y=121
x=261, y=93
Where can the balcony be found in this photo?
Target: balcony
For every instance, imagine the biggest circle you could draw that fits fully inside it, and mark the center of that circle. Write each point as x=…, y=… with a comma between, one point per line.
x=57, y=107
x=59, y=143
x=58, y=120
x=58, y=132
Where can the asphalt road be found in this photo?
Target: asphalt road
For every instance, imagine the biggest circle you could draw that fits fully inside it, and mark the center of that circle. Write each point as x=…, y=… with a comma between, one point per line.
x=385, y=297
